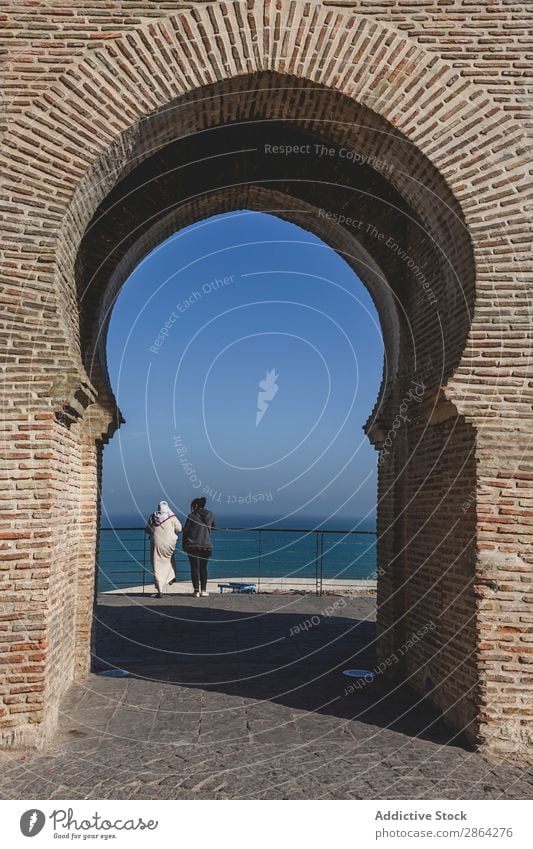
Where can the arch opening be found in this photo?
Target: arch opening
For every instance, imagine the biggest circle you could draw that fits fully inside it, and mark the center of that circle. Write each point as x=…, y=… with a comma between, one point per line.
x=355, y=182
x=245, y=292
x=200, y=322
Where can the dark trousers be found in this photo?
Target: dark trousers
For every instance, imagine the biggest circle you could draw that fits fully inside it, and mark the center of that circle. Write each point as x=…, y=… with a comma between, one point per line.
x=199, y=570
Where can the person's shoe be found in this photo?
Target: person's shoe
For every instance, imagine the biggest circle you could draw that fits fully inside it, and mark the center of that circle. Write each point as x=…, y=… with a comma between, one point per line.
x=196, y=594
x=156, y=595
x=204, y=593
x=172, y=581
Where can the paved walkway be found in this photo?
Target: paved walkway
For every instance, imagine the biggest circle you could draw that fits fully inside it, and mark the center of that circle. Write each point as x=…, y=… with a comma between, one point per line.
x=230, y=697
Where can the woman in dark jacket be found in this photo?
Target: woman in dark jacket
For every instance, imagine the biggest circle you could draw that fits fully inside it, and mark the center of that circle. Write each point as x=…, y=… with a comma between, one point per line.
x=196, y=543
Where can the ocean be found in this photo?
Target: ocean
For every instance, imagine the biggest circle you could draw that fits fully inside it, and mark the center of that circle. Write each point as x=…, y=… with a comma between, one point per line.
x=242, y=552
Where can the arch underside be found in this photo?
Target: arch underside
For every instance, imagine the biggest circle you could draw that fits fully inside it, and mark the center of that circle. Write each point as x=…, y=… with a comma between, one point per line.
x=341, y=181
x=164, y=125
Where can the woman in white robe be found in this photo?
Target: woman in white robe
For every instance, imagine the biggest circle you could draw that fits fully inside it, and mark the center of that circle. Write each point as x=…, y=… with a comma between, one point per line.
x=163, y=527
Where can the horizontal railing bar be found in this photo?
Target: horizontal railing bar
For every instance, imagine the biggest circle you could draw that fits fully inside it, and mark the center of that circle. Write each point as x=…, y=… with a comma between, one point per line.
x=240, y=557
x=225, y=564
x=139, y=572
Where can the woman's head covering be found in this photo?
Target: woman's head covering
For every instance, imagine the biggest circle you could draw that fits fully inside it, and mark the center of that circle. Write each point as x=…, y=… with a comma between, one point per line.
x=162, y=513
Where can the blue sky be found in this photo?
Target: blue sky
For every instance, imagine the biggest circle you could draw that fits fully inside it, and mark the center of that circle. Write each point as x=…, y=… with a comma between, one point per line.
x=216, y=309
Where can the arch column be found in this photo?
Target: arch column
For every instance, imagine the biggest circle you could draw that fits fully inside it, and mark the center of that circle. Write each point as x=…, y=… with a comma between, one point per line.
x=96, y=431
x=45, y=539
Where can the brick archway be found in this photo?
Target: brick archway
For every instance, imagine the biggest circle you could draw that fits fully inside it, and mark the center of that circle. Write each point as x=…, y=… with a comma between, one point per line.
x=346, y=82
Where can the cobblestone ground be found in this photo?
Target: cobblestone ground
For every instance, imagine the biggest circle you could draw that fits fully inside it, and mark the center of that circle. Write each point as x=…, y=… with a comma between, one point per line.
x=230, y=697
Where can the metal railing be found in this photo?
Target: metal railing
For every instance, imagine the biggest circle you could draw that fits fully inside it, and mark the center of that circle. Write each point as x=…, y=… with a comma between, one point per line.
x=309, y=560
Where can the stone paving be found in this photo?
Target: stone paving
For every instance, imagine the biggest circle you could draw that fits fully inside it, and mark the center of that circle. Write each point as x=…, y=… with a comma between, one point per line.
x=230, y=697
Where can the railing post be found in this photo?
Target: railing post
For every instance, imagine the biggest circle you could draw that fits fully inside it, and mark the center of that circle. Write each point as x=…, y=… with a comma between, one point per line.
x=144, y=562
x=320, y=550
x=321, y=579
x=316, y=562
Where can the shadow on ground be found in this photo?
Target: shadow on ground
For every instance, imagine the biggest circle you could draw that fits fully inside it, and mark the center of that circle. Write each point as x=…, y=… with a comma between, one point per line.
x=236, y=697
x=284, y=650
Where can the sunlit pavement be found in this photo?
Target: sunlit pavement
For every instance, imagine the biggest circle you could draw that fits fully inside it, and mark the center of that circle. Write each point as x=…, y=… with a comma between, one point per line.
x=237, y=696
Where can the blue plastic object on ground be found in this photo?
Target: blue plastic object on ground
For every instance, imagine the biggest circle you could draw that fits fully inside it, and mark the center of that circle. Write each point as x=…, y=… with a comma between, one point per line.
x=358, y=673
x=238, y=587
